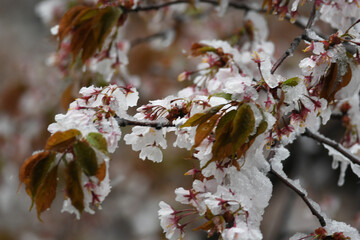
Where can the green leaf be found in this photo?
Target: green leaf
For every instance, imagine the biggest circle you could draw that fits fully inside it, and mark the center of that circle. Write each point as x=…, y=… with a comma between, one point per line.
x=292, y=82
x=225, y=120
x=262, y=127
x=222, y=146
x=61, y=141
x=73, y=185
x=46, y=192
x=227, y=96
x=86, y=157
x=202, y=117
x=97, y=141
x=243, y=125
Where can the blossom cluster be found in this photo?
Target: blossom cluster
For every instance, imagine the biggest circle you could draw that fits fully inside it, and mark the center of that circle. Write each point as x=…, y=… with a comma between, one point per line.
x=235, y=117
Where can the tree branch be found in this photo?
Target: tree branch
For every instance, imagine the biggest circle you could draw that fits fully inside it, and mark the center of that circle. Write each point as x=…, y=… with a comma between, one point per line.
x=297, y=191
x=337, y=146
x=157, y=125
x=302, y=195
x=295, y=43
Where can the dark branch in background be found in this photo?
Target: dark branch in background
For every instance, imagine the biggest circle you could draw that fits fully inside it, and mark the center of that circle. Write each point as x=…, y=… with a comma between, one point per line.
x=235, y=5
x=157, y=125
x=161, y=35
x=297, y=191
x=337, y=146
x=295, y=43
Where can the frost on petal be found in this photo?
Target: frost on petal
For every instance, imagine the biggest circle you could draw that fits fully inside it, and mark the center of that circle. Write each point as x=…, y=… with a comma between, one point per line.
x=132, y=97
x=103, y=67
x=339, y=14
x=281, y=153
x=333, y=226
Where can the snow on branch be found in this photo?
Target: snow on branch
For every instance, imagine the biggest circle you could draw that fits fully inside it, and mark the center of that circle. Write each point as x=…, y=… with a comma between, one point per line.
x=337, y=146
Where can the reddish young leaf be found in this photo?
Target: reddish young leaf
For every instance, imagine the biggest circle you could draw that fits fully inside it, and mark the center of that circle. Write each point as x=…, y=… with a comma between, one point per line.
x=73, y=185
x=33, y=172
x=329, y=81
x=28, y=166
x=332, y=82
x=67, y=22
x=101, y=172
x=198, y=49
x=86, y=158
x=61, y=141
x=46, y=192
x=207, y=226
x=89, y=27
x=83, y=38
x=202, y=117
x=343, y=83
x=204, y=129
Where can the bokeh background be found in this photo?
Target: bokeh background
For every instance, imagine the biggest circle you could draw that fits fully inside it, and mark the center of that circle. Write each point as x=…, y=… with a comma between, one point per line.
x=31, y=93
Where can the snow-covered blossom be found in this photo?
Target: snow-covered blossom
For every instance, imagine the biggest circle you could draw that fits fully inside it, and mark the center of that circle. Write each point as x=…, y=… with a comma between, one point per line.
x=147, y=140
x=339, y=14
x=95, y=111
x=236, y=117
x=169, y=222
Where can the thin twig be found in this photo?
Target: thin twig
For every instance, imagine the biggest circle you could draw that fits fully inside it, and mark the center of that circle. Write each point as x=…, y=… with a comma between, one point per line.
x=297, y=191
x=295, y=43
x=302, y=195
x=157, y=125
x=337, y=146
